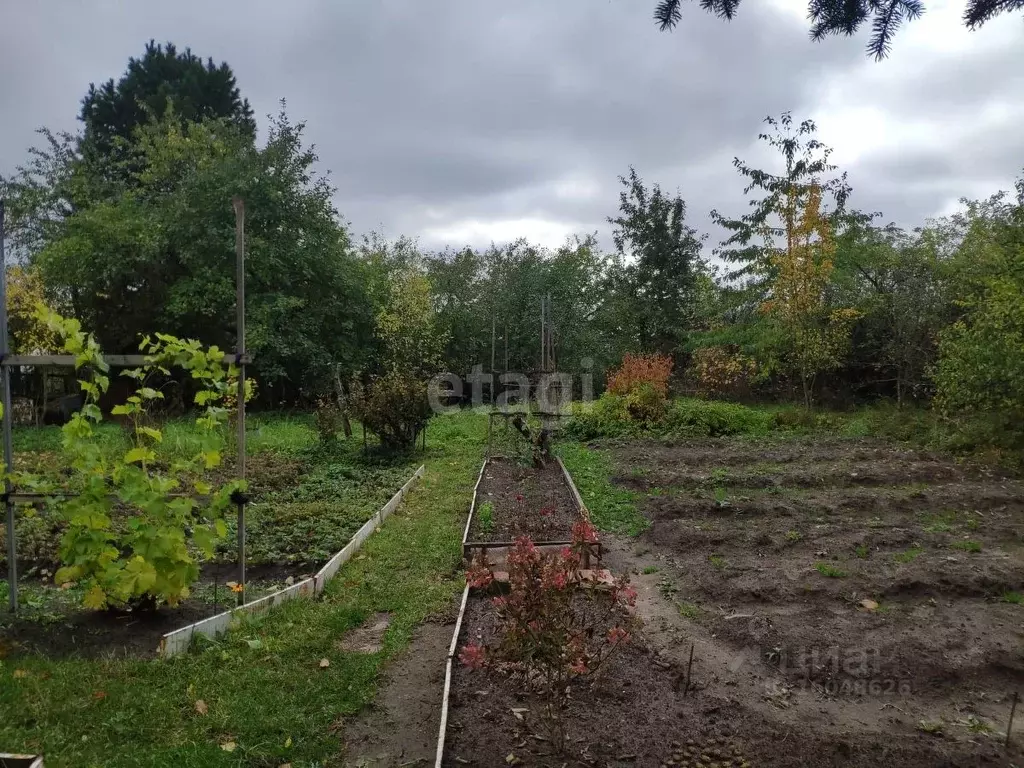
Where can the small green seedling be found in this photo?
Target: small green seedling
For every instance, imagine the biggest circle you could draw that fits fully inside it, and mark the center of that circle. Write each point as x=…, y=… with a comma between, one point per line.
x=829, y=570
x=667, y=588
x=976, y=725
x=721, y=497
x=689, y=610
x=861, y=550
x=967, y=546
x=942, y=523
x=486, y=516
x=717, y=561
x=650, y=569
x=1016, y=598
x=909, y=555
x=793, y=536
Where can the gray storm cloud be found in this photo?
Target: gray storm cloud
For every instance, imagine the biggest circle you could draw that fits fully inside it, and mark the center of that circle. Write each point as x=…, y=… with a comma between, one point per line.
x=455, y=119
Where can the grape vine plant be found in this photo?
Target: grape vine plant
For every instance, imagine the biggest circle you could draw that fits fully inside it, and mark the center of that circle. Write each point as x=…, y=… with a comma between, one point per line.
x=139, y=521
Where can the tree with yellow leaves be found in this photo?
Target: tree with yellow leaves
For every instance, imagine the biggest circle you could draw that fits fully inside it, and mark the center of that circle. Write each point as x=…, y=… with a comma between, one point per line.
x=814, y=335
x=24, y=296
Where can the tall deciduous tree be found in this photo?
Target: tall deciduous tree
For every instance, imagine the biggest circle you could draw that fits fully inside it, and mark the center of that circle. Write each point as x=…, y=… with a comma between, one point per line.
x=411, y=341
x=660, y=260
x=814, y=334
x=981, y=362
x=750, y=246
x=900, y=283
x=159, y=256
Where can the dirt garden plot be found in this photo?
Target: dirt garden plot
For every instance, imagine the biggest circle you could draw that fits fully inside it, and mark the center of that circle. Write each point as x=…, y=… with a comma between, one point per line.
x=866, y=594
x=637, y=712
x=523, y=501
x=638, y=709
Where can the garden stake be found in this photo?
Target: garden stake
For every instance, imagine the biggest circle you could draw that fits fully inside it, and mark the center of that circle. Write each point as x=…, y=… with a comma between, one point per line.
x=1013, y=710
x=214, y=595
x=689, y=666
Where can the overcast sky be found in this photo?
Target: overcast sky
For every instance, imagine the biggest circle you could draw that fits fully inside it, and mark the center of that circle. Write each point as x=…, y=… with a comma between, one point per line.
x=466, y=121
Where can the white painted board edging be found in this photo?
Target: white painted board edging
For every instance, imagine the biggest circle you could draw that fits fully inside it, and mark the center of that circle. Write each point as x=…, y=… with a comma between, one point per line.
x=179, y=640
x=472, y=504
x=573, y=489
x=326, y=573
x=443, y=729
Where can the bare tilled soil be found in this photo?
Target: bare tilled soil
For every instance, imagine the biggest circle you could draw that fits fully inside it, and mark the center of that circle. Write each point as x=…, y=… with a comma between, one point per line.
x=525, y=502
x=855, y=593
x=636, y=712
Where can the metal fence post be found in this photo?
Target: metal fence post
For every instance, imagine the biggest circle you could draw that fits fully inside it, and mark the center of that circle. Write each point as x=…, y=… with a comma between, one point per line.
x=239, y=206
x=12, y=549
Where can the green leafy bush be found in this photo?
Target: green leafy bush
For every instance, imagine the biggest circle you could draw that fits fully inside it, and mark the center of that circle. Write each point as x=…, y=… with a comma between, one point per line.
x=638, y=412
x=329, y=418
x=702, y=418
x=645, y=405
x=605, y=417
x=395, y=407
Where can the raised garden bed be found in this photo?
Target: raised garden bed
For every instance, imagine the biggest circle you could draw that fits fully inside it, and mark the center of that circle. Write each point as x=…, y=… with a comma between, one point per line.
x=512, y=500
x=305, y=512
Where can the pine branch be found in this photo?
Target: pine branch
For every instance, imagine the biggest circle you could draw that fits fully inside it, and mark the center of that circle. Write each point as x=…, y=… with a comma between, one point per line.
x=883, y=26
x=980, y=11
x=723, y=9
x=667, y=14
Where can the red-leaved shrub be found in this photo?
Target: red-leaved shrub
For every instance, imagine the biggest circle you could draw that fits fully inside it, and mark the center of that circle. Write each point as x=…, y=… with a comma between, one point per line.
x=637, y=370
x=551, y=630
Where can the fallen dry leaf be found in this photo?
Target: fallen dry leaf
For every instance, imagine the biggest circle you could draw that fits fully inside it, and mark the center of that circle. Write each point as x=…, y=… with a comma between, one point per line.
x=20, y=673
x=511, y=759
x=201, y=707
x=99, y=695
x=324, y=663
x=868, y=605
x=288, y=742
x=228, y=746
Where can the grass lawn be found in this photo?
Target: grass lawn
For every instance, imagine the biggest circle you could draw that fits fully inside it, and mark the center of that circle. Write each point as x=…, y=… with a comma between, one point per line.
x=612, y=507
x=268, y=700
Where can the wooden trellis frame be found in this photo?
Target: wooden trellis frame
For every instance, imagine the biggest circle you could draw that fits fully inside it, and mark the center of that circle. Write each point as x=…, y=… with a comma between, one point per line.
x=7, y=361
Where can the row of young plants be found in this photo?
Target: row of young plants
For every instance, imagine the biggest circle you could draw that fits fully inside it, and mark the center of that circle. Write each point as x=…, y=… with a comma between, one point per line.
x=135, y=524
